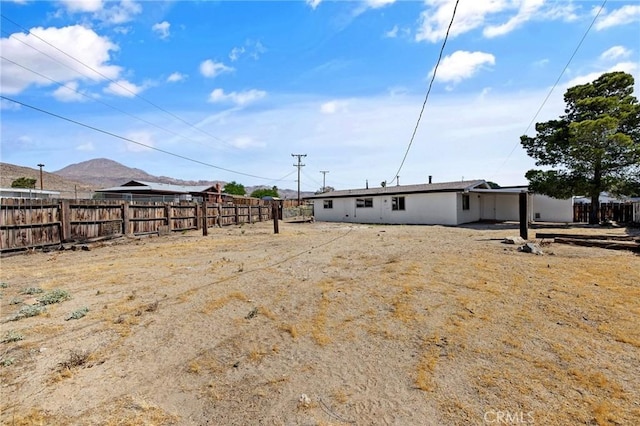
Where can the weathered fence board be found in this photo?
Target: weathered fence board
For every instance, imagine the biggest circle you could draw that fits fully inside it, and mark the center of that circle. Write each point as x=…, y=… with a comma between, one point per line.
x=26, y=223
x=618, y=212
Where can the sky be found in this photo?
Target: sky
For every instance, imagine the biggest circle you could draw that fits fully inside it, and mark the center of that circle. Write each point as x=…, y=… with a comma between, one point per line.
x=229, y=90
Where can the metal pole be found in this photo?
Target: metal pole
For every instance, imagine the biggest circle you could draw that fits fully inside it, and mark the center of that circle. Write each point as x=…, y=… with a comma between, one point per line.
x=299, y=165
x=324, y=174
x=41, y=166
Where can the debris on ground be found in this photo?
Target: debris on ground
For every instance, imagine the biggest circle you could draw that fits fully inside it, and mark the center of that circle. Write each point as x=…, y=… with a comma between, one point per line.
x=532, y=248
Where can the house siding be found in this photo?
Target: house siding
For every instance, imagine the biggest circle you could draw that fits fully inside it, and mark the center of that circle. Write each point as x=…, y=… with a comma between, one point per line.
x=429, y=209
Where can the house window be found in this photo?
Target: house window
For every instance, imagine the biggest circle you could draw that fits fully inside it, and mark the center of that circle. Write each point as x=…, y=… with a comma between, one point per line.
x=465, y=201
x=328, y=204
x=364, y=202
x=397, y=203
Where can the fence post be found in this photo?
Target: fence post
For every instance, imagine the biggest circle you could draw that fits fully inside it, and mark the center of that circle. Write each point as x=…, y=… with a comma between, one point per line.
x=250, y=214
x=198, y=214
x=65, y=220
x=523, y=216
x=205, y=225
x=125, y=218
x=168, y=215
x=260, y=213
x=236, y=213
x=274, y=213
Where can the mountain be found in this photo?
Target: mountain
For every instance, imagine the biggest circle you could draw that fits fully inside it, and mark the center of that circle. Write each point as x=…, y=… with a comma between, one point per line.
x=82, y=179
x=106, y=173
x=69, y=188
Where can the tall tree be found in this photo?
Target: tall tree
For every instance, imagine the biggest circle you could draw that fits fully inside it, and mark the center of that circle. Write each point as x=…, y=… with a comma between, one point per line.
x=594, y=147
x=24, y=182
x=265, y=192
x=234, y=188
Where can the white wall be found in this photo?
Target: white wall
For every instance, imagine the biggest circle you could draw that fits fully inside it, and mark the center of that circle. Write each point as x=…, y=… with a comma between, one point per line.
x=429, y=209
x=471, y=215
x=550, y=209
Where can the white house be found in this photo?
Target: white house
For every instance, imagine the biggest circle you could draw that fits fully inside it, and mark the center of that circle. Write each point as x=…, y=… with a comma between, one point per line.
x=445, y=203
x=28, y=193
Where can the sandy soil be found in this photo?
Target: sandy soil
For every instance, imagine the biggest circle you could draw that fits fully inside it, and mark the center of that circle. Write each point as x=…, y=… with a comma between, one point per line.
x=324, y=324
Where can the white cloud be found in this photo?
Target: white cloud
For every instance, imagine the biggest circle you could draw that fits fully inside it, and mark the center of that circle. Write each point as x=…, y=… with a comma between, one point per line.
x=628, y=67
x=143, y=137
x=82, y=5
x=162, y=29
x=376, y=4
x=332, y=107
x=238, y=98
x=527, y=10
x=625, y=15
x=235, y=53
x=125, y=11
x=87, y=146
x=213, y=69
x=246, y=142
x=77, y=41
x=541, y=63
x=435, y=19
x=461, y=65
x=123, y=88
x=392, y=33
x=253, y=49
x=313, y=3
x=8, y=105
x=69, y=93
x=176, y=77
x=615, y=52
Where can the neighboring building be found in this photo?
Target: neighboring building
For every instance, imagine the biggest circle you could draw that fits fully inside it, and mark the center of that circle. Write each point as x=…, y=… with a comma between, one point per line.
x=605, y=197
x=28, y=193
x=445, y=203
x=154, y=191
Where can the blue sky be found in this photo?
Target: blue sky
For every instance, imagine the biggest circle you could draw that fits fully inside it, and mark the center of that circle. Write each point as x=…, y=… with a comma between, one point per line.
x=242, y=85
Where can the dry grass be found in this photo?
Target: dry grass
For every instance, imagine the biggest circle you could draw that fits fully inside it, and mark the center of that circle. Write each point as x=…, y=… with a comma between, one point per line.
x=396, y=325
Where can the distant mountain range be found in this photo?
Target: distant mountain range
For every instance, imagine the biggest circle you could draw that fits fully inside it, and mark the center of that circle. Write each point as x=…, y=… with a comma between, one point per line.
x=85, y=177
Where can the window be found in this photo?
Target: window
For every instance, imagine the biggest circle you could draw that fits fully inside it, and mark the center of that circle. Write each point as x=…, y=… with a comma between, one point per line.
x=328, y=204
x=364, y=202
x=465, y=201
x=397, y=203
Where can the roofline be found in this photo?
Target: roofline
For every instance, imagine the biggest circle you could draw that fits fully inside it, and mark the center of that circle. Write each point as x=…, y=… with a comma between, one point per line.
x=389, y=190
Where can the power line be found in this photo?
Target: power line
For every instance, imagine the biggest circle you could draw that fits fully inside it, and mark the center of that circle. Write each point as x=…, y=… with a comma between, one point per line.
x=130, y=140
x=575, y=51
x=435, y=70
x=97, y=100
x=111, y=80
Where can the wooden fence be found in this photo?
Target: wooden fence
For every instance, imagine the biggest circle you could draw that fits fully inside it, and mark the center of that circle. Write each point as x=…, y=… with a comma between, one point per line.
x=30, y=223
x=618, y=212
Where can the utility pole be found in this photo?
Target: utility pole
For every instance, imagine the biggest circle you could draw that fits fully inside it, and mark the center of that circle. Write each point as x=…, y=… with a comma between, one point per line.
x=324, y=174
x=41, y=166
x=299, y=166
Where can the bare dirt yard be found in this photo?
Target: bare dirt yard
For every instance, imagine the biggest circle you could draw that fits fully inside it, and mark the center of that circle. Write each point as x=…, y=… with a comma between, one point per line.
x=322, y=324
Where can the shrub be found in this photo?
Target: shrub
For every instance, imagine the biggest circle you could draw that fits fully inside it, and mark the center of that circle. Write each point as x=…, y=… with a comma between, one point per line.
x=54, y=296
x=11, y=336
x=28, y=311
x=32, y=290
x=78, y=313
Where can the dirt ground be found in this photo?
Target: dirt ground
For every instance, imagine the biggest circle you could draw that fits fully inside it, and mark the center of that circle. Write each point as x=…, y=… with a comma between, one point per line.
x=323, y=324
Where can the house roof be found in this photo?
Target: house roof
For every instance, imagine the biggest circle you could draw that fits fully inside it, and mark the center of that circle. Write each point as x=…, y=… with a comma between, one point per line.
x=144, y=186
x=465, y=185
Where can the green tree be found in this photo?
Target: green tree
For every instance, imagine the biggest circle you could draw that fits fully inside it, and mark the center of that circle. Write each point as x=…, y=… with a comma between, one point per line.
x=234, y=188
x=265, y=192
x=493, y=185
x=594, y=147
x=24, y=182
